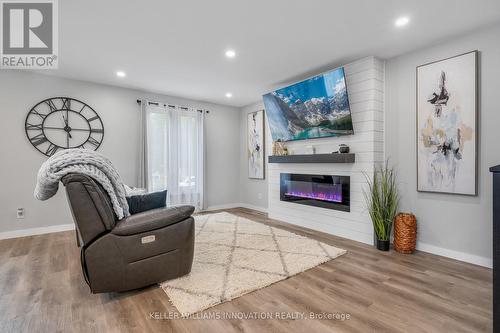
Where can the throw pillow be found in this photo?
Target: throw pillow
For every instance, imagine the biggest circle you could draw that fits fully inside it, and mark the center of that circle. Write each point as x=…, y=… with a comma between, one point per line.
x=148, y=201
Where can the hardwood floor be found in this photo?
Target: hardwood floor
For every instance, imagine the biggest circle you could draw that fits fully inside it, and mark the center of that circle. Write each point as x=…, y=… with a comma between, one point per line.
x=42, y=290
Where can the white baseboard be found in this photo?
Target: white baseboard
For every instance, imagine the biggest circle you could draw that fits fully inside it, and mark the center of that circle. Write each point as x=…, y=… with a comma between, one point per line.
x=36, y=231
x=236, y=205
x=218, y=207
x=257, y=208
x=462, y=256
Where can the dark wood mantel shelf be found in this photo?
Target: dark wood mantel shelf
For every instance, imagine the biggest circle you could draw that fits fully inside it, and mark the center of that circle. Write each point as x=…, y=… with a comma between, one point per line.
x=316, y=158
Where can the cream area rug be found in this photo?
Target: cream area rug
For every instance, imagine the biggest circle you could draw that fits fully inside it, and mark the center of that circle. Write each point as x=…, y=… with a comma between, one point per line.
x=234, y=256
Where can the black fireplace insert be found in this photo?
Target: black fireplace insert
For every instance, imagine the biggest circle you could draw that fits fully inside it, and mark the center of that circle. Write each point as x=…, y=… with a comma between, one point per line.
x=316, y=190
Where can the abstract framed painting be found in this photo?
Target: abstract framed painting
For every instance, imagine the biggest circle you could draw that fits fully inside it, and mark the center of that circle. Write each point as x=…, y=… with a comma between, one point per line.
x=255, y=144
x=447, y=132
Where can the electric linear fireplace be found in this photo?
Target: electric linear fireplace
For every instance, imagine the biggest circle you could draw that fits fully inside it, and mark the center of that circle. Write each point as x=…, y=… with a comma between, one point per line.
x=325, y=191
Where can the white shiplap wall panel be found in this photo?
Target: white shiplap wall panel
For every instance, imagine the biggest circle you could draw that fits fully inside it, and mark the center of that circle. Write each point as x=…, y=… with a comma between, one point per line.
x=364, y=96
x=363, y=76
x=368, y=105
x=365, y=86
x=364, y=64
x=355, y=171
x=368, y=115
x=358, y=136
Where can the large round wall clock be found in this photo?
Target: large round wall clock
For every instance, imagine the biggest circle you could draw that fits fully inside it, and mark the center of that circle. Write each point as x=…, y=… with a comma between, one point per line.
x=62, y=123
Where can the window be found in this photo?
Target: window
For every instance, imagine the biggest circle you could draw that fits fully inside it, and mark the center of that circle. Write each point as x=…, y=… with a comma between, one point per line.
x=175, y=154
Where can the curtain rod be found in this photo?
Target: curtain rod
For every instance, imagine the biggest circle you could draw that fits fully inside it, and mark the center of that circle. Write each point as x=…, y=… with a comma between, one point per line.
x=171, y=106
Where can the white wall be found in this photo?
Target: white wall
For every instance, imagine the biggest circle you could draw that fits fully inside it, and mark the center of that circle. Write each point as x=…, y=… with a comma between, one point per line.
x=452, y=225
x=20, y=161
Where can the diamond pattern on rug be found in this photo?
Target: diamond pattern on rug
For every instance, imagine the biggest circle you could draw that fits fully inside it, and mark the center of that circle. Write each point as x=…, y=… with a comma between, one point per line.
x=264, y=261
x=256, y=241
x=234, y=256
x=212, y=253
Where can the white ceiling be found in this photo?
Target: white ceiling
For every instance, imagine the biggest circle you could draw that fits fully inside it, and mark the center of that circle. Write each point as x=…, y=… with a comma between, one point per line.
x=177, y=47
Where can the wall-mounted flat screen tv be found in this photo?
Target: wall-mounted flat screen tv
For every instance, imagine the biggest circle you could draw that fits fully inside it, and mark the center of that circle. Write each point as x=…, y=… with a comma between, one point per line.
x=314, y=108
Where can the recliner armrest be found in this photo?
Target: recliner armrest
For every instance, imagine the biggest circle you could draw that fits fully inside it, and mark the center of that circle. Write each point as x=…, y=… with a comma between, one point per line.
x=151, y=220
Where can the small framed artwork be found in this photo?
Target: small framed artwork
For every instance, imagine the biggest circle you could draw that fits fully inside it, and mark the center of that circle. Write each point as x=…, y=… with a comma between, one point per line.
x=447, y=132
x=255, y=144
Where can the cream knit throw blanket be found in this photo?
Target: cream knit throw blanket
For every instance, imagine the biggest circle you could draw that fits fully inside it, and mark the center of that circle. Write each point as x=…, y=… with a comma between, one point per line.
x=87, y=162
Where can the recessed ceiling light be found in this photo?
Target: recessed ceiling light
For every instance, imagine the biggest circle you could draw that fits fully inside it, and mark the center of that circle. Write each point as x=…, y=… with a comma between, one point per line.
x=402, y=21
x=121, y=74
x=229, y=95
x=230, y=54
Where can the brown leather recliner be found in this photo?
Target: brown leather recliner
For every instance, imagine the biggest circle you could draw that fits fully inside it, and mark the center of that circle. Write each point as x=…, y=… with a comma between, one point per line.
x=137, y=251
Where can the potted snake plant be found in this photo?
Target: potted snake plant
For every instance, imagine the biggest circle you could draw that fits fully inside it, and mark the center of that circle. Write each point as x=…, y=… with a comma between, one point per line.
x=382, y=201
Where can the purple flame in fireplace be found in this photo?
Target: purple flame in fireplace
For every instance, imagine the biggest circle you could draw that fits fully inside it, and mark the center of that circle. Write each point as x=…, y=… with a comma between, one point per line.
x=323, y=192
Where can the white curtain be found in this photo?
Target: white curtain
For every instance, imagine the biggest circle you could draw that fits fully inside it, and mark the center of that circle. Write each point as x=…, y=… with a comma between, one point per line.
x=175, y=153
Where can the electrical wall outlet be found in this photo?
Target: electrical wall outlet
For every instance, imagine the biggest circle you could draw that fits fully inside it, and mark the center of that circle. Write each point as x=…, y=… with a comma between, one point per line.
x=20, y=213
x=259, y=196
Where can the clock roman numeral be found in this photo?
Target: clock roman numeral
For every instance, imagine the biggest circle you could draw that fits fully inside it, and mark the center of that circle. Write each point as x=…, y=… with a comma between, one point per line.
x=41, y=115
x=93, y=142
x=93, y=118
x=31, y=127
x=51, y=105
x=51, y=150
x=66, y=103
x=38, y=139
x=96, y=130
